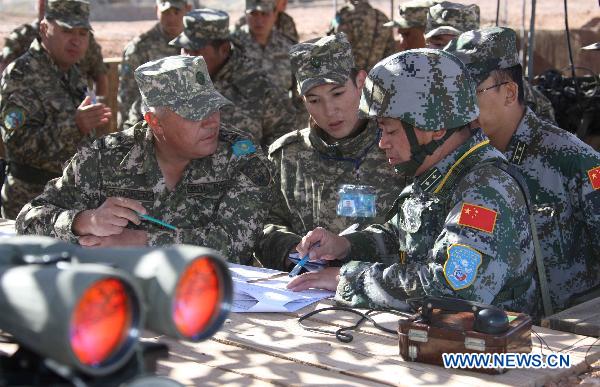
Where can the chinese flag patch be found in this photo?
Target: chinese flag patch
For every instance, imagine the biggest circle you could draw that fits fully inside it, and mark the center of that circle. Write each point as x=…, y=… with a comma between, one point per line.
x=594, y=175
x=477, y=217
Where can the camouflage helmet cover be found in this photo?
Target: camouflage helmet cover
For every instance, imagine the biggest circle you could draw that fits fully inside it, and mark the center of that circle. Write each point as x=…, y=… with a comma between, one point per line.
x=200, y=27
x=69, y=13
x=447, y=18
x=180, y=83
x=429, y=89
x=326, y=60
x=485, y=50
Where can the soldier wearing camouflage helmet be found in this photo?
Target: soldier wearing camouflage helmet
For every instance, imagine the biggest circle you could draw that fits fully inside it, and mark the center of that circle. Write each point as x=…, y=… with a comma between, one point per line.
x=259, y=107
x=264, y=44
x=411, y=23
x=91, y=66
x=447, y=20
x=44, y=113
x=561, y=171
x=364, y=27
x=151, y=45
x=461, y=228
x=337, y=150
x=210, y=182
x=284, y=22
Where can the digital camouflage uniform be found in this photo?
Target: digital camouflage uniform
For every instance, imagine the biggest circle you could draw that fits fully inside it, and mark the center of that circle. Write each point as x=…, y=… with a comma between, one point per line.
x=559, y=170
x=364, y=27
x=38, y=103
x=221, y=201
x=311, y=170
x=412, y=14
x=259, y=107
x=151, y=45
x=461, y=229
x=284, y=24
x=273, y=59
x=16, y=44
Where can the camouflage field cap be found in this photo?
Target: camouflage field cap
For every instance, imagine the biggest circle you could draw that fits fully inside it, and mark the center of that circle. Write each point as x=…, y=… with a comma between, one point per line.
x=163, y=5
x=321, y=61
x=448, y=18
x=429, y=89
x=413, y=14
x=486, y=50
x=260, y=5
x=180, y=83
x=69, y=13
x=200, y=27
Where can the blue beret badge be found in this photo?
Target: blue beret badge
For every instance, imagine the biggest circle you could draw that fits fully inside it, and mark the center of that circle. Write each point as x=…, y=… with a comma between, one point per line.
x=461, y=267
x=13, y=118
x=243, y=147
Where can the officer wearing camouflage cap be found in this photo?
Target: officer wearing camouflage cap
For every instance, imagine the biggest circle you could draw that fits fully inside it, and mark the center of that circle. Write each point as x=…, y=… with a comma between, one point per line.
x=259, y=107
x=461, y=228
x=558, y=167
x=181, y=165
x=446, y=20
x=44, y=113
x=337, y=149
x=264, y=44
x=151, y=45
x=411, y=23
x=364, y=27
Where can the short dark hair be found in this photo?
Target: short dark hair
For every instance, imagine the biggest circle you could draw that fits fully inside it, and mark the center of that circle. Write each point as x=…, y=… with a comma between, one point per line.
x=511, y=74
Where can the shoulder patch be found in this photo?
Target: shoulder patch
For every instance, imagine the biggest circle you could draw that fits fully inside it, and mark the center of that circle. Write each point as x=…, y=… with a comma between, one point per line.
x=257, y=172
x=461, y=266
x=13, y=118
x=594, y=176
x=478, y=217
x=243, y=148
x=286, y=139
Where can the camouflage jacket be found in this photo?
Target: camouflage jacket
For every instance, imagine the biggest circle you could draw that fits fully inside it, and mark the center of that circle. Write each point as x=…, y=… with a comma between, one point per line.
x=363, y=25
x=460, y=230
x=221, y=201
x=310, y=173
x=150, y=45
x=559, y=170
x=284, y=24
x=273, y=59
x=259, y=107
x=91, y=66
x=538, y=102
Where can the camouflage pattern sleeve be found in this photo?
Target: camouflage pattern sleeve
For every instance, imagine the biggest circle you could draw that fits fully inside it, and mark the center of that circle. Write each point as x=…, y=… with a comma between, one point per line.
x=240, y=217
x=17, y=43
x=489, y=262
x=92, y=65
x=78, y=189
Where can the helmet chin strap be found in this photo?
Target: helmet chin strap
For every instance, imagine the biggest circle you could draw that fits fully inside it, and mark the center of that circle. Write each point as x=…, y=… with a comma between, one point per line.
x=418, y=152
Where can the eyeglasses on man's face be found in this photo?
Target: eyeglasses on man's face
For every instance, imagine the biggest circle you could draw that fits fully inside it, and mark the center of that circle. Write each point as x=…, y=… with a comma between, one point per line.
x=491, y=87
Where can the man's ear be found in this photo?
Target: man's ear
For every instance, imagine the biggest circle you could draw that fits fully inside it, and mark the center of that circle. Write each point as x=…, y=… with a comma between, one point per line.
x=43, y=27
x=360, y=79
x=188, y=8
x=512, y=94
x=153, y=122
x=439, y=134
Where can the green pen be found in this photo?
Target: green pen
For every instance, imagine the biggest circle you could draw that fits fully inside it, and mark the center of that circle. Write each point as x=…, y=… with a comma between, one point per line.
x=157, y=221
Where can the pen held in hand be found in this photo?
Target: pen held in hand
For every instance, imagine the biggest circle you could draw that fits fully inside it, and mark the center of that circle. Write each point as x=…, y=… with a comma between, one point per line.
x=296, y=270
x=157, y=221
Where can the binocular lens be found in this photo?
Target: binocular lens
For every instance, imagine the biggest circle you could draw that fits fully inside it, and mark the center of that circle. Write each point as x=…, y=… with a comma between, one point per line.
x=197, y=298
x=101, y=321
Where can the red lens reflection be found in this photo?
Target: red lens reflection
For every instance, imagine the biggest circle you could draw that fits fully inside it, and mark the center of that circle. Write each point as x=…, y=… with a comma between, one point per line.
x=197, y=298
x=100, y=321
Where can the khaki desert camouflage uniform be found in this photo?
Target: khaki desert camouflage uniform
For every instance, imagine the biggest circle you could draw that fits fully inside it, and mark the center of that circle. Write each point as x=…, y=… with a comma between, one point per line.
x=461, y=228
x=562, y=173
x=221, y=201
x=312, y=169
x=364, y=28
x=38, y=103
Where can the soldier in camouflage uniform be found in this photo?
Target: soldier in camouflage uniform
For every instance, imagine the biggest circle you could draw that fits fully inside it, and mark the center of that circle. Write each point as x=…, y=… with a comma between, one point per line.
x=338, y=148
x=446, y=20
x=284, y=23
x=182, y=165
x=259, y=107
x=411, y=23
x=461, y=228
x=364, y=27
x=264, y=44
x=563, y=173
x=44, y=113
x=151, y=45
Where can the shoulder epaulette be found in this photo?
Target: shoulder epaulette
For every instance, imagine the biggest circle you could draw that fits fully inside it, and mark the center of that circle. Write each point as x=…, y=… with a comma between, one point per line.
x=286, y=139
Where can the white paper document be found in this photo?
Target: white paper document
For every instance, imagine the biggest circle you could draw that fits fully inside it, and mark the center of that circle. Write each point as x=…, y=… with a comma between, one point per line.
x=269, y=295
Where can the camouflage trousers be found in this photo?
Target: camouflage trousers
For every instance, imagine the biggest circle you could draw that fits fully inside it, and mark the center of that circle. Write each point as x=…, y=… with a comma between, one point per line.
x=15, y=194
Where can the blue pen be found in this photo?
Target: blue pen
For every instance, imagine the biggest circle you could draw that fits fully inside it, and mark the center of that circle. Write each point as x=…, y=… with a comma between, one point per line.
x=157, y=221
x=299, y=266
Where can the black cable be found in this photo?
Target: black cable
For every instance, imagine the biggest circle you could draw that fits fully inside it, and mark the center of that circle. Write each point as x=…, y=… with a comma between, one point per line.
x=497, y=12
x=570, y=49
x=341, y=334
